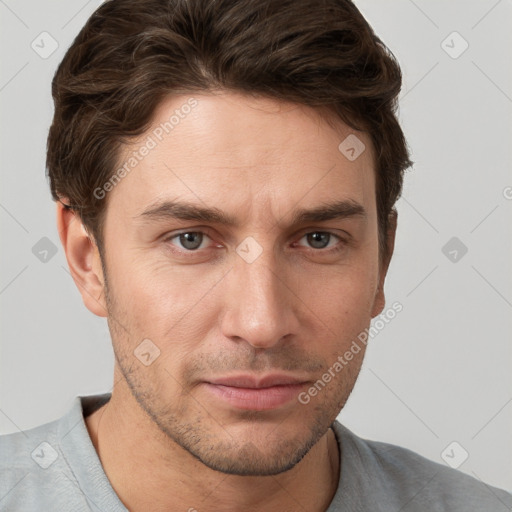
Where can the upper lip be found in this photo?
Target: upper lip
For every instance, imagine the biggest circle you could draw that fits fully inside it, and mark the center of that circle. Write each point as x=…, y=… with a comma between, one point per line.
x=254, y=381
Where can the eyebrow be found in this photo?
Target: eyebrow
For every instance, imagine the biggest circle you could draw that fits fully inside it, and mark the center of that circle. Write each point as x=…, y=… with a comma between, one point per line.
x=176, y=210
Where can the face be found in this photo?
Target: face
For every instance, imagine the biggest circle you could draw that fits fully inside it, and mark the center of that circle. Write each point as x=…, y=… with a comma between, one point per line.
x=241, y=257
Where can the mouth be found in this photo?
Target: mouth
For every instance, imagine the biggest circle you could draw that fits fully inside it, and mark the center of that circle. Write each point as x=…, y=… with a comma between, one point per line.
x=250, y=392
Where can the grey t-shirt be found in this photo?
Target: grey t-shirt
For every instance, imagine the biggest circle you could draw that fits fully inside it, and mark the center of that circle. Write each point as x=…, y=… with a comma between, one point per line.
x=54, y=467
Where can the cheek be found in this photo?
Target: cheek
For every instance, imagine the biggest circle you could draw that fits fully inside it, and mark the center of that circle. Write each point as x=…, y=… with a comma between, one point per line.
x=150, y=285
x=165, y=302
x=343, y=293
x=343, y=310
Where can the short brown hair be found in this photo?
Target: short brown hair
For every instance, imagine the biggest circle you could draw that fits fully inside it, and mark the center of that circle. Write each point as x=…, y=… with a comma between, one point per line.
x=131, y=54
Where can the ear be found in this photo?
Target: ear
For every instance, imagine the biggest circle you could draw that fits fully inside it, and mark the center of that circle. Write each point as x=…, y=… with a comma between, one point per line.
x=380, y=299
x=83, y=259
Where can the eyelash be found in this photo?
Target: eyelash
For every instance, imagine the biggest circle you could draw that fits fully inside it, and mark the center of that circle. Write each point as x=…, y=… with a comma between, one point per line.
x=191, y=253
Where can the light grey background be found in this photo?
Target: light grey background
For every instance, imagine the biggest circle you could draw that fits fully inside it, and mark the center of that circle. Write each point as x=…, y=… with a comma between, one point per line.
x=440, y=371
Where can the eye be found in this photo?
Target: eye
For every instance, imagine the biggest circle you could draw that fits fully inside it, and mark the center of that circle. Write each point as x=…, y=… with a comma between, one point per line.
x=322, y=239
x=189, y=240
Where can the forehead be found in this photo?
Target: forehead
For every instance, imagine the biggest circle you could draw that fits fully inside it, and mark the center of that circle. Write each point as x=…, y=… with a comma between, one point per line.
x=243, y=154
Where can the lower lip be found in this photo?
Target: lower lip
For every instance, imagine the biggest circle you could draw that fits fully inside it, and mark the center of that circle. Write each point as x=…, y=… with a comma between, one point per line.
x=260, y=399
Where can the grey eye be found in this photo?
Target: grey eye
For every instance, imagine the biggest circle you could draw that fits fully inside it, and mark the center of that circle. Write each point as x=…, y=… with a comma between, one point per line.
x=318, y=239
x=191, y=240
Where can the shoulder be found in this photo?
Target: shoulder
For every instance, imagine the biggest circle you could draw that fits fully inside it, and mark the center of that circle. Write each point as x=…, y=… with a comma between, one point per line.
x=25, y=449
x=28, y=460
x=409, y=480
x=34, y=472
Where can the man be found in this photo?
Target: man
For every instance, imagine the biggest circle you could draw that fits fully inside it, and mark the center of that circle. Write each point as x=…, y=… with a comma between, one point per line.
x=225, y=176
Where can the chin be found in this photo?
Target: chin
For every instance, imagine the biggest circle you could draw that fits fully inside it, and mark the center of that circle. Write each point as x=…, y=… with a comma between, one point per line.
x=248, y=460
x=246, y=454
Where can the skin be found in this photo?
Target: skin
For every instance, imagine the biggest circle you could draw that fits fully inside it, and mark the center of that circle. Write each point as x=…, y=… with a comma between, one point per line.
x=165, y=442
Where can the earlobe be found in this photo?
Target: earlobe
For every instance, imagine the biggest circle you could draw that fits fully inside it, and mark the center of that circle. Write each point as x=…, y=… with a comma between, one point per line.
x=379, y=302
x=83, y=260
x=380, y=299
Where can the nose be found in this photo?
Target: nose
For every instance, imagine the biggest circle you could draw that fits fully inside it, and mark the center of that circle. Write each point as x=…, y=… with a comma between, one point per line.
x=260, y=306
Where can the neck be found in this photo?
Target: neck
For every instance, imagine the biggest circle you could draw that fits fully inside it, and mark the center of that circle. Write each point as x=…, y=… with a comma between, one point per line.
x=148, y=471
